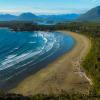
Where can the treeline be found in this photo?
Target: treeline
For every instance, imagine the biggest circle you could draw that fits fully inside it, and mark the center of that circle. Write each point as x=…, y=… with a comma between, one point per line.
x=72, y=26
x=26, y=26
x=92, y=29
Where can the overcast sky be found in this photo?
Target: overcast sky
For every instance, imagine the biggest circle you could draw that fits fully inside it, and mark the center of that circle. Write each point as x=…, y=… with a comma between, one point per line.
x=47, y=6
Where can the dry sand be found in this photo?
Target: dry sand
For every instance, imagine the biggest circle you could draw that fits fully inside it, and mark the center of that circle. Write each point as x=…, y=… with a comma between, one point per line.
x=63, y=74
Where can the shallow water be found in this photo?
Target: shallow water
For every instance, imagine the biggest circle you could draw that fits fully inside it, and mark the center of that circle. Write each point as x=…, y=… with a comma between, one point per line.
x=21, y=51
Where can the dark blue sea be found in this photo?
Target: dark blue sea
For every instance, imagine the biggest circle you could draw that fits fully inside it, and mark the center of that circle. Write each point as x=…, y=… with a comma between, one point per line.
x=22, y=53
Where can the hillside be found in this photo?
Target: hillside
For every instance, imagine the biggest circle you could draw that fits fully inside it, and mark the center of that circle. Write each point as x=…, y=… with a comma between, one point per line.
x=7, y=17
x=27, y=17
x=91, y=15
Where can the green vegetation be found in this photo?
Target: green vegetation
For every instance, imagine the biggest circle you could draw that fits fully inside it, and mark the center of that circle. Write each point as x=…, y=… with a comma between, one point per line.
x=91, y=63
x=63, y=96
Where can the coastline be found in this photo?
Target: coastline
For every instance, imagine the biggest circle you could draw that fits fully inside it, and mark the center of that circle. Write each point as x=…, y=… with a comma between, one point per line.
x=65, y=73
x=58, y=48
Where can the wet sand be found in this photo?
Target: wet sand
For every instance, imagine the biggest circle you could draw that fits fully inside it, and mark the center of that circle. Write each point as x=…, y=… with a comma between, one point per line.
x=65, y=73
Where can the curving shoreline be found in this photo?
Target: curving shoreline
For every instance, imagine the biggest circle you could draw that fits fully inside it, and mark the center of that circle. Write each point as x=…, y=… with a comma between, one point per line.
x=63, y=74
x=15, y=68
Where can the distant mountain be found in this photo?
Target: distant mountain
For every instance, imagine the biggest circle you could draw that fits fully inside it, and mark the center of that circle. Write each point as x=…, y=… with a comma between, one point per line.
x=27, y=17
x=59, y=18
x=91, y=15
x=7, y=17
x=40, y=18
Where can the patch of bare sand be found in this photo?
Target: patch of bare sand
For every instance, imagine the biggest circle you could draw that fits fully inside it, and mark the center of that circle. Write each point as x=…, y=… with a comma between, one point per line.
x=63, y=74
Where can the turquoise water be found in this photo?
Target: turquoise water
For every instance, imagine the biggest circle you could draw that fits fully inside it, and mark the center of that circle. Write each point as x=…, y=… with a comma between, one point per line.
x=21, y=51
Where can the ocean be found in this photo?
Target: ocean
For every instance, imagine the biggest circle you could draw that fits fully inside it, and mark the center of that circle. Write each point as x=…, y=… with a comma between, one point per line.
x=22, y=53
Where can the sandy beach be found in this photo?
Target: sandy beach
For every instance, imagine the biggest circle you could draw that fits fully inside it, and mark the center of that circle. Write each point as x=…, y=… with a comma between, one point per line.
x=65, y=73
